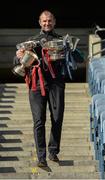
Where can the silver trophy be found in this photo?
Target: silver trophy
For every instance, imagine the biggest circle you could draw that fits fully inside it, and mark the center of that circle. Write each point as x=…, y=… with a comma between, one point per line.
x=28, y=58
x=27, y=45
x=72, y=41
x=55, y=49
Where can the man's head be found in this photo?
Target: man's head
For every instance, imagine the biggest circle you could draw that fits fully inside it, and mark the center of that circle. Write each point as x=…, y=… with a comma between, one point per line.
x=47, y=21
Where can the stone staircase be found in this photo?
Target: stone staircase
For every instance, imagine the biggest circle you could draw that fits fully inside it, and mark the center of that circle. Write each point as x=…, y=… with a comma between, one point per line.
x=17, y=149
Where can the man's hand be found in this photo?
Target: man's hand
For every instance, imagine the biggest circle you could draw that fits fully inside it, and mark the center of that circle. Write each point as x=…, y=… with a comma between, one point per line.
x=20, y=53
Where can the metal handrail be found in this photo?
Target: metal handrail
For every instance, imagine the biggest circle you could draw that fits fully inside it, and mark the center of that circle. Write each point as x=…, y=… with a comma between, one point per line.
x=99, y=52
x=95, y=43
x=94, y=54
x=103, y=40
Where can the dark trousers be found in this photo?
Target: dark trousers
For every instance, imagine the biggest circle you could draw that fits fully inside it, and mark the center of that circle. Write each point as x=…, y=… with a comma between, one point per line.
x=55, y=98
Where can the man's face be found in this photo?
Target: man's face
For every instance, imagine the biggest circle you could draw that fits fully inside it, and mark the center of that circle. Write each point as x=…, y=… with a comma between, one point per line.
x=47, y=22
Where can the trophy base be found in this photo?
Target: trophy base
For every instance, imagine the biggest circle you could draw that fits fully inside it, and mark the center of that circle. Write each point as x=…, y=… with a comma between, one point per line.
x=19, y=71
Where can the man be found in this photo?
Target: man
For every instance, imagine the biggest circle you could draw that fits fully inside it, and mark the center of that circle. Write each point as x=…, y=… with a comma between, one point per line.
x=50, y=89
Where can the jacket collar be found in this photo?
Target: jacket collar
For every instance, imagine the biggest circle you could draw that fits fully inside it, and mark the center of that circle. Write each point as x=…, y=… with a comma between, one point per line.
x=47, y=32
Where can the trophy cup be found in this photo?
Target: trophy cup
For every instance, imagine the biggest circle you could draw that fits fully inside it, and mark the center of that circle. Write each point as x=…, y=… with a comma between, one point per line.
x=28, y=58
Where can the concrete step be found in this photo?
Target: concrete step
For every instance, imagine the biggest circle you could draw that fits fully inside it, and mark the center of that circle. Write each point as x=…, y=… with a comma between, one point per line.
x=49, y=175
x=20, y=143
x=25, y=141
x=8, y=148
x=18, y=128
x=32, y=157
x=30, y=162
x=21, y=97
x=22, y=93
x=76, y=157
x=61, y=175
x=15, y=175
x=19, y=135
x=73, y=169
x=16, y=121
x=22, y=147
x=17, y=111
x=22, y=152
x=23, y=131
x=56, y=169
x=26, y=108
x=29, y=138
x=28, y=127
x=67, y=119
x=68, y=102
x=67, y=115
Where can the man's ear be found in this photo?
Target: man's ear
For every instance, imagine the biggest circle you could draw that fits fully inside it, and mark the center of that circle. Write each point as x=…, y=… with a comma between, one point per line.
x=39, y=22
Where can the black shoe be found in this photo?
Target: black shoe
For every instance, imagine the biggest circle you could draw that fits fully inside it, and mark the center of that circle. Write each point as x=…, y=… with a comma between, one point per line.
x=42, y=163
x=53, y=157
